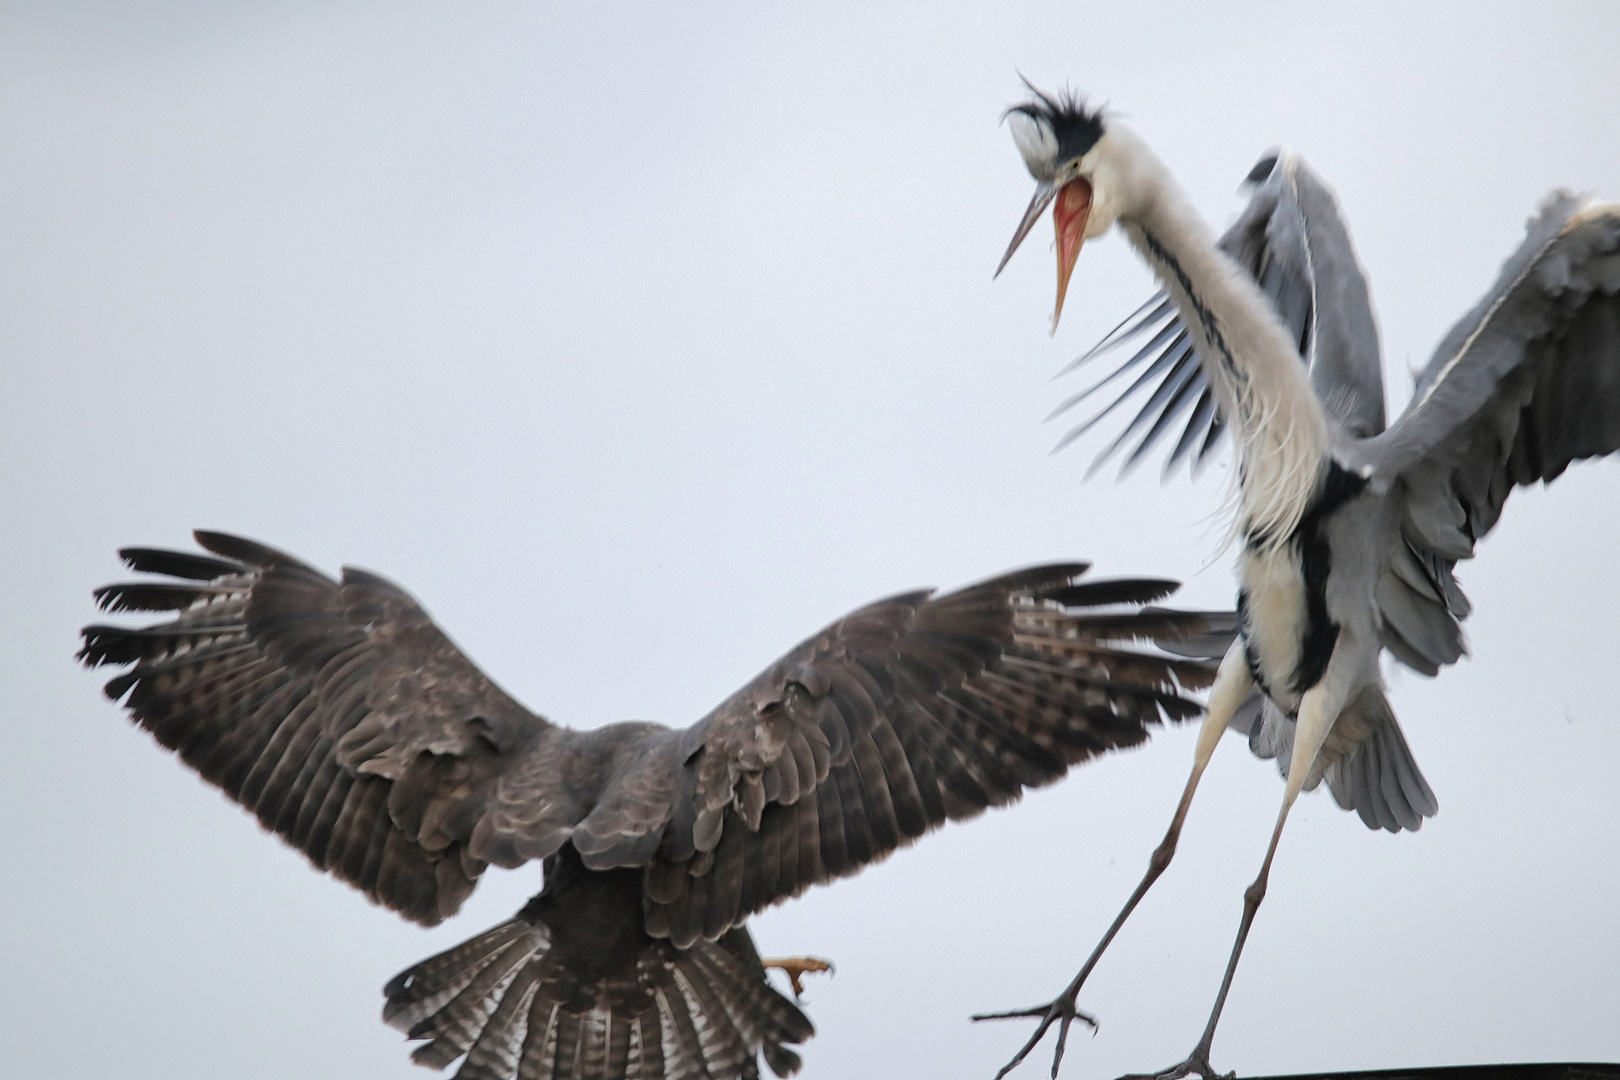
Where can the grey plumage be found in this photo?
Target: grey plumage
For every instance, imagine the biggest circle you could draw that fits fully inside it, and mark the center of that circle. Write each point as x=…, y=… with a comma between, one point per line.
x=1292, y=241
x=1366, y=762
x=1525, y=383
x=344, y=718
x=1349, y=531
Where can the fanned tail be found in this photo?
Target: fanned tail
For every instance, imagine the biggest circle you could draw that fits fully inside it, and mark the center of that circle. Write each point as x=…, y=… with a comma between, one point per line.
x=520, y=1009
x=1365, y=761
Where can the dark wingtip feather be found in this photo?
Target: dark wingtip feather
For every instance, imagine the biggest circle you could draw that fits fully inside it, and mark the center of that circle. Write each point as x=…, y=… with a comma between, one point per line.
x=1129, y=327
x=1116, y=591
x=1178, y=350
x=782, y=1061
x=391, y=990
x=1202, y=415
x=1182, y=364
x=117, y=688
x=1217, y=427
x=1181, y=398
x=366, y=579
x=242, y=549
x=1167, y=339
x=104, y=645
x=147, y=596
x=1200, y=635
x=1262, y=168
x=1036, y=579
x=180, y=564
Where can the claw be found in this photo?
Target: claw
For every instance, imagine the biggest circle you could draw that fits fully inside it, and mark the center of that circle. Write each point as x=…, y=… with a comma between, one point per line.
x=1060, y=1011
x=798, y=966
x=1197, y=1064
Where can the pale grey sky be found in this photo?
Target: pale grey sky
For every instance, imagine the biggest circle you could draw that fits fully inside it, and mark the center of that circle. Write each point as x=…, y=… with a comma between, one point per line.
x=639, y=344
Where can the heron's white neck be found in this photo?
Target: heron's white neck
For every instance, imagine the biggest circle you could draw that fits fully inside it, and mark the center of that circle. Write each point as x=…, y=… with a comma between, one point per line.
x=1263, y=387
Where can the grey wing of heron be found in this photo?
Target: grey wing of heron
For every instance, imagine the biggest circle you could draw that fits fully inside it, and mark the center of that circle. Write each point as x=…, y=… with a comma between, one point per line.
x=1522, y=386
x=1292, y=240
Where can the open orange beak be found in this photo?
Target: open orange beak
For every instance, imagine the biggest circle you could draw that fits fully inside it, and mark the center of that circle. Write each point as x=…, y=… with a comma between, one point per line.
x=1069, y=216
x=1073, y=207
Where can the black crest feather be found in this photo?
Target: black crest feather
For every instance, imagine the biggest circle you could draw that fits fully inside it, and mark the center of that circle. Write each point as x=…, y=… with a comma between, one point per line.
x=1075, y=126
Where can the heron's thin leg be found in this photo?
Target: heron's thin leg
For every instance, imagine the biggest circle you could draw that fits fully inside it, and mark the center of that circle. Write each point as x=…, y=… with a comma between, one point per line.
x=1232, y=685
x=1317, y=712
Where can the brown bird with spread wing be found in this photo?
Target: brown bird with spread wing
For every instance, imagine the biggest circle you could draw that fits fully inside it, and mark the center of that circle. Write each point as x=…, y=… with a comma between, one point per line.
x=345, y=719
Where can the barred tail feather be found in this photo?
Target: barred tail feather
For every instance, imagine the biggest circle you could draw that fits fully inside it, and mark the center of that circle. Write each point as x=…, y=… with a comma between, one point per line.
x=515, y=1009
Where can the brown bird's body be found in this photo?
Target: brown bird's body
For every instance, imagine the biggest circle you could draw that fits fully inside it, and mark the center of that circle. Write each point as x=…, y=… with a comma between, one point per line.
x=344, y=718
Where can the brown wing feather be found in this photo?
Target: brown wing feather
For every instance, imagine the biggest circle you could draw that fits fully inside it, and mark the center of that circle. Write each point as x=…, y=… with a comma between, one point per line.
x=346, y=720
x=336, y=711
x=355, y=729
x=931, y=709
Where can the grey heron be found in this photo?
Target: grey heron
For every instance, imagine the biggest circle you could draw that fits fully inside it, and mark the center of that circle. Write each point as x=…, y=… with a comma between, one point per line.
x=340, y=714
x=1349, y=531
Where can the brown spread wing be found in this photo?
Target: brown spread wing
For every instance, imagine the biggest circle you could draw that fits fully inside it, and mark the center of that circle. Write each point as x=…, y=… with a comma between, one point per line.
x=340, y=714
x=908, y=713
x=336, y=711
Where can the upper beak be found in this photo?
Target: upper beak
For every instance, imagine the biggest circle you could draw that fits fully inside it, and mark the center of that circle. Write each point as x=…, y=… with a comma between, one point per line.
x=1045, y=192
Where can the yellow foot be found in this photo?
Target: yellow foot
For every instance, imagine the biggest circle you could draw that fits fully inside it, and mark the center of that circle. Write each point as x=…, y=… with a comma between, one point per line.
x=798, y=966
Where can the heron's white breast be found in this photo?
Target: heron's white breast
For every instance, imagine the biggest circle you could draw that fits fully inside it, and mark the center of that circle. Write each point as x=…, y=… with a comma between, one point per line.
x=1276, y=616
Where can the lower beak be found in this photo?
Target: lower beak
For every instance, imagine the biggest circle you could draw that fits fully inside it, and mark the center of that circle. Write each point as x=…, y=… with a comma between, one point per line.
x=1069, y=216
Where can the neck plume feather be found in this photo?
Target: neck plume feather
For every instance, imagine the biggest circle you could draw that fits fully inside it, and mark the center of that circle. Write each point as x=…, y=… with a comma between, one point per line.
x=1259, y=379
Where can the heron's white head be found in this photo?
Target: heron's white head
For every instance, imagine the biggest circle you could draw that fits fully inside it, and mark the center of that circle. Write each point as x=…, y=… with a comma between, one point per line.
x=1082, y=166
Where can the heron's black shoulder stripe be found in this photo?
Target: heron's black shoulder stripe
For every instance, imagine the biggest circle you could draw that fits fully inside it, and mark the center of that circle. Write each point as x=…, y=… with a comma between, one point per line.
x=1257, y=671
x=1206, y=317
x=1321, y=632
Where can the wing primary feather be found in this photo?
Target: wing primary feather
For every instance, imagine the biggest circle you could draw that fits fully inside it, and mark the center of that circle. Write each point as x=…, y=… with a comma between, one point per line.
x=1180, y=401
x=1161, y=305
x=1173, y=387
x=1196, y=425
x=180, y=564
x=1153, y=371
x=1159, y=341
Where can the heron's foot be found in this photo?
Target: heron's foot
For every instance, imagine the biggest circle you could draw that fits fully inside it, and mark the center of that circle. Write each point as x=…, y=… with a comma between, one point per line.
x=799, y=966
x=1060, y=1011
x=1197, y=1064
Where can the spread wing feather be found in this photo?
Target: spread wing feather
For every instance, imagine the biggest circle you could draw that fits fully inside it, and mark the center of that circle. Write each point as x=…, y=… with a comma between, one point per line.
x=1293, y=242
x=1529, y=380
x=1525, y=383
x=340, y=714
x=931, y=711
x=314, y=703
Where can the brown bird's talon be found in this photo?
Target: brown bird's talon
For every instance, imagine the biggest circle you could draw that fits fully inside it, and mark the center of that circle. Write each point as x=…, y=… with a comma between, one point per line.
x=797, y=967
